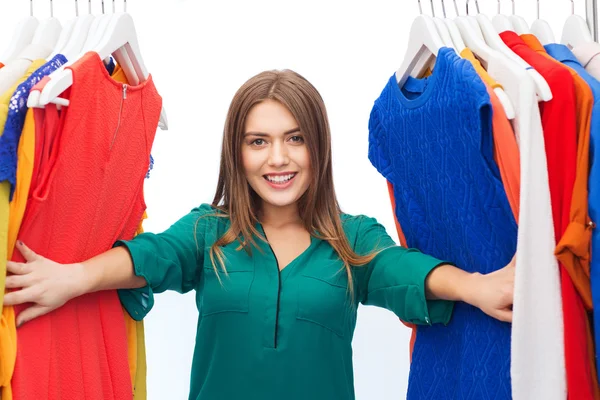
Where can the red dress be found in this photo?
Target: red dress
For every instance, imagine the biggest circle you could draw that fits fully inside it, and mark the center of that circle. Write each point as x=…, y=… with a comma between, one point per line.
x=560, y=136
x=88, y=195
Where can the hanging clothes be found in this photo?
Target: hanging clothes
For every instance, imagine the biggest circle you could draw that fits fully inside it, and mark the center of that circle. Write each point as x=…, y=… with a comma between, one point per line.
x=48, y=121
x=506, y=155
x=587, y=54
x=573, y=249
x=135, y=344
x=560, y=132
x=7, y=332
x=437, y=164
x=567, y=57
x=506, y=150
x=86, y=166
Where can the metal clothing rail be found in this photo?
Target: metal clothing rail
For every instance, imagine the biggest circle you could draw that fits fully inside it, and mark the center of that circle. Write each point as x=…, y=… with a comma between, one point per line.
x=591, y=12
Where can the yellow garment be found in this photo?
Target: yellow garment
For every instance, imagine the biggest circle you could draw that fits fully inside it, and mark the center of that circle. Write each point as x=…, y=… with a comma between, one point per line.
x=25, y=157
x=136, y=347
x=483, y=74
x=139, y=387
x=5, y=97
x=8, y=334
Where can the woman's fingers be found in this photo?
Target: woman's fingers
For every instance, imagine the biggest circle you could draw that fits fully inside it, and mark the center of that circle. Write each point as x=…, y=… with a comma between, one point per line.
x=18, y=281
x=18, y=268
x=504, y=315
x=30, y=313
x=27, y=295
x=27, y=253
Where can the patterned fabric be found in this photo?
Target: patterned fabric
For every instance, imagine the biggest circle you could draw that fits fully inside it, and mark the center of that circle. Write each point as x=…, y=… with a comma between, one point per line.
x=432, y=140
x=16, y=118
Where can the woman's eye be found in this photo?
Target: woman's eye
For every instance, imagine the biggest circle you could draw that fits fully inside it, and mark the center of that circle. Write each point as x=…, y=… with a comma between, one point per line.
x=258, y=142
x=297, y=139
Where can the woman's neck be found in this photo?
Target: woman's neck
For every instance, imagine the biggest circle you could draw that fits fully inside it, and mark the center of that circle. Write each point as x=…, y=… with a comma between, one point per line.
x=279, y=216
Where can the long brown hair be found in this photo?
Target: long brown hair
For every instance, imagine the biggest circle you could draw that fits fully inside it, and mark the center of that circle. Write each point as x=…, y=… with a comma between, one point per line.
x=318, y=206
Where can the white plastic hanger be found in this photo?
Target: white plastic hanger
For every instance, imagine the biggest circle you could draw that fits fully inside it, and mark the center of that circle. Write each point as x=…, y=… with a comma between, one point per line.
x=483, y=52
x=501, y=22
x=424, y=43
x=120, y=33
x=518, y=22
x=495, y=42
x=459, y=44
x=79, y=35
x=442, y=29
x=541, y=29
x=471, y=19
x=22, y=37
x=65, y=35
x=48, y=32
x=575, y=31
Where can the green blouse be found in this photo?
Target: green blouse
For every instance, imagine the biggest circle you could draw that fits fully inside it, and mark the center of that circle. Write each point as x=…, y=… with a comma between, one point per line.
x=265, y=334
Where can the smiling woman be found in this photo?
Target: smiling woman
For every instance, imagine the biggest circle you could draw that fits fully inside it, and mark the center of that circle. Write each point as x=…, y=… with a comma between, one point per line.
x=278, y=268
x=276, y=162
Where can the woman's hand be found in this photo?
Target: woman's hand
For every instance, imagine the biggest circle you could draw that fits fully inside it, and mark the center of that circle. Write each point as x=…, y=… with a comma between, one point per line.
x=493, y=292
x=45, y=283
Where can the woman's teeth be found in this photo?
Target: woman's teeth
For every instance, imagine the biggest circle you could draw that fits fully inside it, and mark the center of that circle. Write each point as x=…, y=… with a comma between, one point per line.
x=279, y=178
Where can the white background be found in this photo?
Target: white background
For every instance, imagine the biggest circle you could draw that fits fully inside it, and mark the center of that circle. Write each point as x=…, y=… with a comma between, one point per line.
x=199, y=53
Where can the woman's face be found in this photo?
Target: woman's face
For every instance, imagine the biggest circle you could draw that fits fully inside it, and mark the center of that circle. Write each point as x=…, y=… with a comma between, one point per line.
x=275, y=156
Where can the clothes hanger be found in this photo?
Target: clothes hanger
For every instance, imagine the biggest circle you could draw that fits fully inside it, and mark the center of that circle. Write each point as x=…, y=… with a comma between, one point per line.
x=424, y=43
x=48, y=31
x=442, y=29
x=477, y=45
x=120, y=33
x=65, y=34
x=470, y=18
x=575, y=31
x=22, y=36
x=80, y=34
x=78, y=46
x=541, y=29
x=103, y=23
x=459, y=44
x=501, y=22
x=518, y=22
x=491, y=37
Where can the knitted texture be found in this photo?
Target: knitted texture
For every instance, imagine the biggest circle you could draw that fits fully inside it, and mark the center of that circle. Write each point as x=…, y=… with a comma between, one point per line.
x=437, y=151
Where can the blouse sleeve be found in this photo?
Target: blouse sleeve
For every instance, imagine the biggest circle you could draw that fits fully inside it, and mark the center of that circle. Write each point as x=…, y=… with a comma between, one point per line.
x=395, y=278
x=170, y=260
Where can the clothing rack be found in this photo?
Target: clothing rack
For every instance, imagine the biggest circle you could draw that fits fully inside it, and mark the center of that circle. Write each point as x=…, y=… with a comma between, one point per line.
x=591, y=11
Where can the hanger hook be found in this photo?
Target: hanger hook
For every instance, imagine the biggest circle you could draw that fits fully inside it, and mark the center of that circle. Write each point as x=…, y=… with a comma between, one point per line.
x=114, y=9
x=76, y=8
x=538, y=9
x=572, y=7
x=455, y=7
x=51, y=9
x=443, y=8
x=31, y=8
x=125, y=5
x=432, y=9
x=102, y=6
x=90, y=7
x=477, y=6
x=420, y=7
x=513, y=6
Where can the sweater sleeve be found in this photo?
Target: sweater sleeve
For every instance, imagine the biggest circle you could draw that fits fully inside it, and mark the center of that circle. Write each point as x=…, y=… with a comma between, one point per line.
x=171, y=260
x=395, y=278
